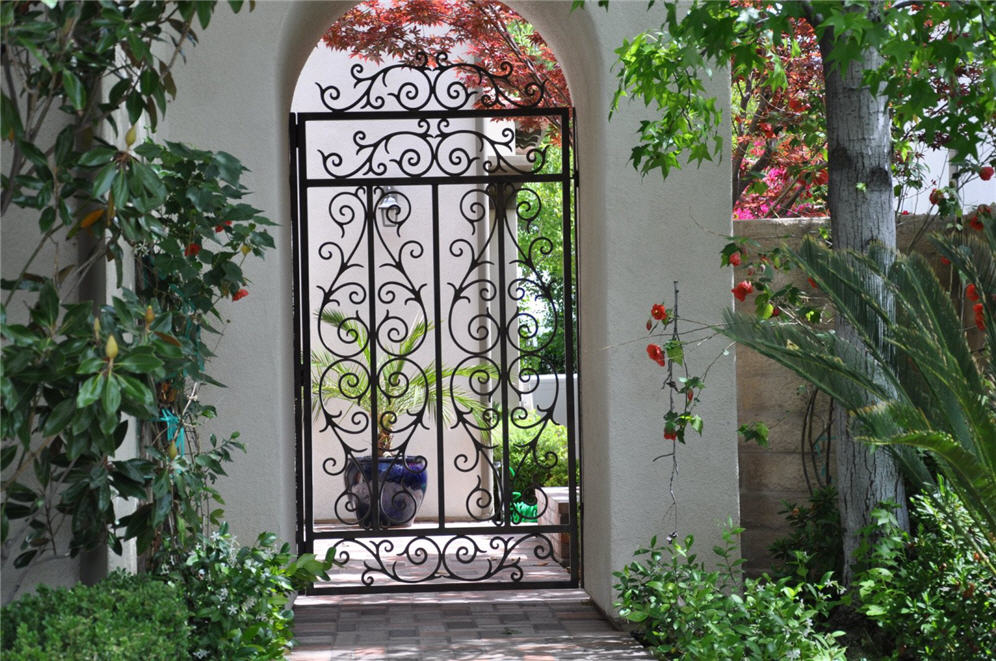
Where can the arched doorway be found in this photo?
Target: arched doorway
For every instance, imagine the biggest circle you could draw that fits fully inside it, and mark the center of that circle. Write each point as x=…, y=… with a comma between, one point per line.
x=427, y=300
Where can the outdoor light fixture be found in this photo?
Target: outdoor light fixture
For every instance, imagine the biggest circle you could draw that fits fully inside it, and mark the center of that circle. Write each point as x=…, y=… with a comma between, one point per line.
x=389, y=208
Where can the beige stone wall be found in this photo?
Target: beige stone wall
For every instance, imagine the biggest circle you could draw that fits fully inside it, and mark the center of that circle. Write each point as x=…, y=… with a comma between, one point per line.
x=769, y=393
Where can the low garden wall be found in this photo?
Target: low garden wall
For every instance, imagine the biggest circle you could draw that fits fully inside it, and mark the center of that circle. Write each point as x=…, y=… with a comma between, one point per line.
x=767, y=392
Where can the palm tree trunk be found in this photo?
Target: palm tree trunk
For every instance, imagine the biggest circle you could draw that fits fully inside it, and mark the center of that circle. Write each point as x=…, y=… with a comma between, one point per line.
x=861, y=210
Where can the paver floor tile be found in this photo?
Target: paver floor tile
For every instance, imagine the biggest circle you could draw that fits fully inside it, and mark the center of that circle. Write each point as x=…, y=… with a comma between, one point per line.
x=534, y=625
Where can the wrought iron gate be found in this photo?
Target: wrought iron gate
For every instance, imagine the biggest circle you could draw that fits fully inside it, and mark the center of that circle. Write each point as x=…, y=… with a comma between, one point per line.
x=424, y=300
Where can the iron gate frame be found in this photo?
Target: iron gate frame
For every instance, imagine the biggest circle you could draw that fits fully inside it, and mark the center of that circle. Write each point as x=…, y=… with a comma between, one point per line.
x=300, y=185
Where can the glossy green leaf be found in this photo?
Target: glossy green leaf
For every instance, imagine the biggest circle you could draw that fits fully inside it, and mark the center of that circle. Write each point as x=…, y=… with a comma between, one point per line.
x=75, y=91
x=90, y=391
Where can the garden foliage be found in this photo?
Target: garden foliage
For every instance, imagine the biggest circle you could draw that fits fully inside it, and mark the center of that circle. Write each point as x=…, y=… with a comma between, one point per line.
x=238, y=596
x=122, y=617
x=683, y=610
x=84, y=79
x=537, y=453
x=928, y=591
x=936, y=394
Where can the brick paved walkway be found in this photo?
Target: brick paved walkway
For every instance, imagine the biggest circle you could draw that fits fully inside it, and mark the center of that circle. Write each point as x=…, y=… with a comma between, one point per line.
x=530, y=625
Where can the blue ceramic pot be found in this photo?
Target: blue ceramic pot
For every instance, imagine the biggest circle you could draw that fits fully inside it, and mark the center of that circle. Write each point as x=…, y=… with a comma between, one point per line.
x=401, y=481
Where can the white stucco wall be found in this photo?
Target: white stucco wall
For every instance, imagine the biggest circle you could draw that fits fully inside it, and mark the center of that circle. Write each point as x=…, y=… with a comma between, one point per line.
x=635, y=238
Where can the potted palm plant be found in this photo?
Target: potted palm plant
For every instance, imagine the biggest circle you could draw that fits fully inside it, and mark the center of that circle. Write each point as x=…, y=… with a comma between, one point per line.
x=399, y=388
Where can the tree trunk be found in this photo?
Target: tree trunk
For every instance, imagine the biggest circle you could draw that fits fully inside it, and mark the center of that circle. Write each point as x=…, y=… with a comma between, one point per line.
x=861, y=210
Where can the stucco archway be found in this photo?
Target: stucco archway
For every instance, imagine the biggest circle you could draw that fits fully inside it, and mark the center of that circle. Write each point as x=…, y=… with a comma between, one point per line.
x=635, y=238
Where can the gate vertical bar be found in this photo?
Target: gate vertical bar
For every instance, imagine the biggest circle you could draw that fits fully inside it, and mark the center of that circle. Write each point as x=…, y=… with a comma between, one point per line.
x=301, y=538
x=570, y=358
x=438, y=336
x=373, y=382
x=305, y=330
x=504, y=373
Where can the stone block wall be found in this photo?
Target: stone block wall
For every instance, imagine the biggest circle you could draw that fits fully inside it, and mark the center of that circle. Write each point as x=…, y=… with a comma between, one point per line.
x=767, y=392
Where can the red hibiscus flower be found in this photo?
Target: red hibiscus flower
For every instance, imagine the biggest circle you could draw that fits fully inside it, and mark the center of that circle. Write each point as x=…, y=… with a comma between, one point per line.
x=658, y=312
x=670, y=435
x=742, y=289
x=221, y=228
x=986, y=173
x=735, y=259
x=242, y=293
x=971, y=293
x=192, y=250
x=936, y=196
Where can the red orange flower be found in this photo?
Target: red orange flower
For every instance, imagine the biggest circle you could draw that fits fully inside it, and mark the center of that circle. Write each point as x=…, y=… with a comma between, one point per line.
x=971, y=293
x=658, y=312
x=242, y=293
x=192, y=250
x=742, y=289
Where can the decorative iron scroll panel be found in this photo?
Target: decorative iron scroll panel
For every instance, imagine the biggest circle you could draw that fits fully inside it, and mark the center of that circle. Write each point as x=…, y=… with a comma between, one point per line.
x=424, y=300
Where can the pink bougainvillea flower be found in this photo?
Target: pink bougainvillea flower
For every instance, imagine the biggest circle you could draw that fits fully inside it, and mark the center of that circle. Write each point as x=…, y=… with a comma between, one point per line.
x=242, y=293
x=192, y=250
x=742, y=289
x=971, y=293
x=658, y=312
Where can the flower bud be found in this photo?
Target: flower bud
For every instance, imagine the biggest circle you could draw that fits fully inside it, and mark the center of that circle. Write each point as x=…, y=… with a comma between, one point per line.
x=149, y=315
x=246, y=249
x=131, y=135
x=111, y=348
x=96, y=329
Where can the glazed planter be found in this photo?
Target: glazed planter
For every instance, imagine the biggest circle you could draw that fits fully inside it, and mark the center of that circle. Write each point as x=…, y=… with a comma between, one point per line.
x=402, y=482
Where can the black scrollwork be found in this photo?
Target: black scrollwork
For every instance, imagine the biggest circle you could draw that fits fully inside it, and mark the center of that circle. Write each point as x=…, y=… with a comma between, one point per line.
x=422, y=86
x=444, y=558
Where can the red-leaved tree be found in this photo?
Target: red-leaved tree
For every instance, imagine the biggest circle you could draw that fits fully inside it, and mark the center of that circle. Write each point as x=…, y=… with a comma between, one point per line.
x=484, y=32
x=779, y=136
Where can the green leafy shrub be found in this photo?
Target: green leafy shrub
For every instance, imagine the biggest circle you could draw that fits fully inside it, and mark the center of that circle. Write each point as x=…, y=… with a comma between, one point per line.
x=930, y=592
x=238, y=597
x=682, y=610
x=537, y=453
x=814, y=545
x=122, y=617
